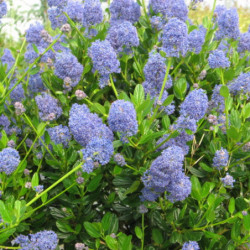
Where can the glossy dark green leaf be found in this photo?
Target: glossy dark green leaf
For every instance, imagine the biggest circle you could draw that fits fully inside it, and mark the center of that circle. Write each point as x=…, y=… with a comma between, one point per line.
x=92, y=229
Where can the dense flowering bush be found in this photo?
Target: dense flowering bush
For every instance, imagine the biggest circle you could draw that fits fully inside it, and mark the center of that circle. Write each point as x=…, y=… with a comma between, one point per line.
x=126, y=128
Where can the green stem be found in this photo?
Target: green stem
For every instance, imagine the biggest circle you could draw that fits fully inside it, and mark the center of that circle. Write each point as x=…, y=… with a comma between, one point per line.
x=165, y=78
x=113, y=86
x=44, y=204
x=5, y=247
x=143, y=228
x=11, y=72
x=30, y=67
x=177, y=67
x=73, y=24
x=32, y=126
x=54, y=184
x=222, y=76
x=132, y=168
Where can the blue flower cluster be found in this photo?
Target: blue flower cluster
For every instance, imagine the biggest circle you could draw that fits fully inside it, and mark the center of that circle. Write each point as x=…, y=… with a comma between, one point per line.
x=36, y=84
x=170, y=8
x=4, y=123
x=217, y=101
x=228, y=180
x=85, y=125
x=3, y=9
x=220, y=159
x=218, y=59
x=67, y=67
x=228, y=22
x=157, y=22
x=92, y=13
x=244, y=42
x=104, y=60
x=46, y=240
x=119, y=159
x=241, y=84
x=60, y=135
x=7, y=59
x=56, y=17
x=97, y=150
x=166, y=174
x=181, y=125
x=75, y=10
x=195, y=104
x=17, y=94
x=122, y=119
x=9, y=160
x=48, y=107
x=125, y=10
x=122, y=36
x=196, y=39
x=57, y=3
x=190, y=245
x=154, y=71
x=175, y=38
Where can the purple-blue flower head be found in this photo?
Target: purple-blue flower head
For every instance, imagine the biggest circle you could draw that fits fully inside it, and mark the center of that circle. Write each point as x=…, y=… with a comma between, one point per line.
x=220, y=159
x=3, y=9
x=157, y=22
x=190, y=245
x=119, y=159
x=98, y=150
x=4, y=123
x=241, y=84
x=85, y=125
x=159, y=6
x=122, y=36
x=67, y=65
x=46, y=240
x=104, y=58
x=48, y=106
x=228, y=180
x=92, y=13
x=74, y=9
x=154, y=71
x=125, y=10
x=56, y=17
x=217, y=101
x=57, y=3
x=244, y=42
x=218, y=59
x=195, y=104
x=9, y=160
x=60, y=135
x=33, y=34
x=228, y=22
x=175, y=38
x=196, y=39
x=122, y=118
x=36, y=84
x=17, y=94
x=166, y=174
x=7, y=59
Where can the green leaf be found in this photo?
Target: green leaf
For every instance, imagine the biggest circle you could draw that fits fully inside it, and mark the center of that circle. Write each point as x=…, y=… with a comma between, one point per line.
x=207, y=188
x=246, y=222
x=224, y=91
x=196, y=188
x=4, y=139
x=64, y=227
x=41, y=128
x=35, y=180
x=157, y=236
x=94, y=183
x=139, y=94
x=150, y=136
x=110, y=223
x=180, y=88
x=138, y=232
x=168, y=101
x=98, y=108
x=231, y=206
x=235, y=232
x=92, y=229
x=125, y=242
x=246, y=111
x=18, y=206
x=234, y=134
x=5, y=213
x=5, y=235
x=133, y=187
x=44, y=197
x=111, y=242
